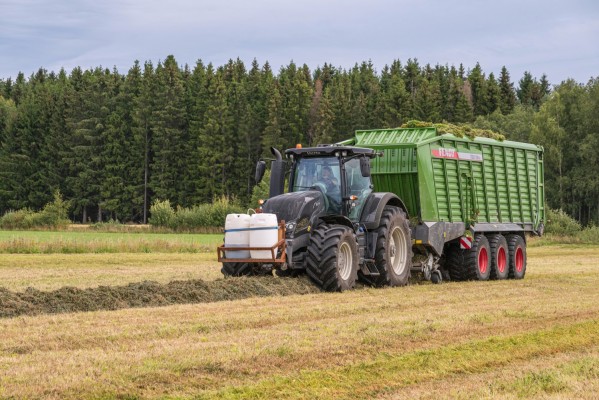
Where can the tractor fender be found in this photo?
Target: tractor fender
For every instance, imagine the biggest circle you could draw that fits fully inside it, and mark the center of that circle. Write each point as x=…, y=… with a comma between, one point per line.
x=373, y=209
x=337, y=220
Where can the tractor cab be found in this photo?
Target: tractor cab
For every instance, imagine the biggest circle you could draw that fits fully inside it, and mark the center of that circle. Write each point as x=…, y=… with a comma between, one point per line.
x=340, y=173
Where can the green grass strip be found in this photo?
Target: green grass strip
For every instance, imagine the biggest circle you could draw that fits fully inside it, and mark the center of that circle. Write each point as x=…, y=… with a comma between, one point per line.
x=388, y=372
x=61, y=242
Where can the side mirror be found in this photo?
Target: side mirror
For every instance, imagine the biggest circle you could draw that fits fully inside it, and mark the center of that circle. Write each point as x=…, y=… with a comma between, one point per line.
x=260, y=169
x=365, y=167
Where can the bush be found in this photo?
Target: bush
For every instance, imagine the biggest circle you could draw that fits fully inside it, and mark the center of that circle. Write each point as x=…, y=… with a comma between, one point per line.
x=216, y=213
x=53, y=215
x=561, y=224
x=161, y=213
x=20, y=219
x=590, y=235
x=189, y=219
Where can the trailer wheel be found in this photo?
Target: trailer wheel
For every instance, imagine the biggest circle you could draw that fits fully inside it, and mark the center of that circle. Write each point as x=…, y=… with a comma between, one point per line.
x=478, y=259
x=454, y=258
x=333, y=257
x=471, y=264
x=517, y=256
x=393, y=254
x=499, y=257
x=237, y=269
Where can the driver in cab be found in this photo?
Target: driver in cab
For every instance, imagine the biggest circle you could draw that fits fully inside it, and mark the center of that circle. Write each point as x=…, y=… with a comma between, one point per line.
x=328, y=179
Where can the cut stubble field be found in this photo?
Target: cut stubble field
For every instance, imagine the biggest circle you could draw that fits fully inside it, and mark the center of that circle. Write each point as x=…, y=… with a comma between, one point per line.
x=534, y=338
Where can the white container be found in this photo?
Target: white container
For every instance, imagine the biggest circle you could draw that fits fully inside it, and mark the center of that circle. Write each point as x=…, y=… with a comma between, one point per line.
x=264, y=232
x=237, y=234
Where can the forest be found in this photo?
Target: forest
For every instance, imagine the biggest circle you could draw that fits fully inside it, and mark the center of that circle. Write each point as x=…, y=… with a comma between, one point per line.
x=114, y=143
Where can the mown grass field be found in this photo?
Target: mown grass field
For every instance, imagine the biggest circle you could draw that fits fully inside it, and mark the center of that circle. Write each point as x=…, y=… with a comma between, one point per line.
x=535, y=338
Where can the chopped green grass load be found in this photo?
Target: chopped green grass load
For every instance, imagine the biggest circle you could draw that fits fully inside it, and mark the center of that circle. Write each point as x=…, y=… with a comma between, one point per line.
x=457, y=130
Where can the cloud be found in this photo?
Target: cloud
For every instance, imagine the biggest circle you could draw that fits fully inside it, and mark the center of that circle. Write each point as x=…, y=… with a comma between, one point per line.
x=541, y=36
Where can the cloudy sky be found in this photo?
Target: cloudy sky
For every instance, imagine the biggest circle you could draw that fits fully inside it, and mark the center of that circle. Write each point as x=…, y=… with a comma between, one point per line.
x=558, y=38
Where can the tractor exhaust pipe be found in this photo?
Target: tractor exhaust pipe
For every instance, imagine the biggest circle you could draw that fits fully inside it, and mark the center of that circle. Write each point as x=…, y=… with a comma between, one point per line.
x=277, y=174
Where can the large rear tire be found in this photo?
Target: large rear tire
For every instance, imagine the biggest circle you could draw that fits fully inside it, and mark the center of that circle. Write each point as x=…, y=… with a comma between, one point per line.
x=333, y=257
x=393, y=254
x=517, y=260
x=499, y=257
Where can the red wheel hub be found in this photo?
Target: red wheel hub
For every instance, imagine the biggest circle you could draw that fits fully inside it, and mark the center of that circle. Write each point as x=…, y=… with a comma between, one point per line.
x=519, y=259
x=483, y=260
x=501, y=260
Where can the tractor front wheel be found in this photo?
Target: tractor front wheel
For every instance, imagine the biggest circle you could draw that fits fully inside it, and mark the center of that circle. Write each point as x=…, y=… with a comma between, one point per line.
x=333, y=257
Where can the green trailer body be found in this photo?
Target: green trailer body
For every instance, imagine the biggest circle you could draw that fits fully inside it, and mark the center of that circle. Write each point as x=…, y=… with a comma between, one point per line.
x=452, y=185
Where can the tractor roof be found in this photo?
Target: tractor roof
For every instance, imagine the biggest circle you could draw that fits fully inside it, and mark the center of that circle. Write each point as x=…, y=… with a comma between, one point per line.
x=329, y=151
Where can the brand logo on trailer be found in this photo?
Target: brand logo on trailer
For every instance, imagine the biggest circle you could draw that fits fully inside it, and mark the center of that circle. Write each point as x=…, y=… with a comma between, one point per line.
x=465, y=242
x=456, y=155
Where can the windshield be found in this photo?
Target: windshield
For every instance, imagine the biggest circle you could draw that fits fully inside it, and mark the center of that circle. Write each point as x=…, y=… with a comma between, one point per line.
x=325, y=175
x=322, y=174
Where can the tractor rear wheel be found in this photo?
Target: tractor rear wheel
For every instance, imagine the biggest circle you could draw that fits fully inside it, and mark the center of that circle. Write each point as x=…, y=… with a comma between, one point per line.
x=499, y=257
x=333, y=257
x=393, y=254
x=517, y=256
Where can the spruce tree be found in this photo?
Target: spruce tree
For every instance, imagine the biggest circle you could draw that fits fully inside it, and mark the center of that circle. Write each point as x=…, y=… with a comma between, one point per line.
x=525, y=89
x=478, y=86
x=323, y=126
x=169, y=135
x=506, y=92
x=493, y=94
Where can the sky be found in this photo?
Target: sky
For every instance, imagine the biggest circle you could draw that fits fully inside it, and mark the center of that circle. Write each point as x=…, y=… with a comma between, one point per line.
x=556, y=38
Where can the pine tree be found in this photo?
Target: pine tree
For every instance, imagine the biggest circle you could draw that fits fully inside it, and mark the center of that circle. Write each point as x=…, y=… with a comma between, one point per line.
x=478, y=86
x=525, y=89
x=341, y=102
x=397, y=102
x=169, y=135
x=506, y=91
x=215, y=149
x=273, y=135
x=323, y=127
x=493, y=94
x=295, y=88
x=87, y=118
x=143, y=106
x=458, y=108
x=427, y=100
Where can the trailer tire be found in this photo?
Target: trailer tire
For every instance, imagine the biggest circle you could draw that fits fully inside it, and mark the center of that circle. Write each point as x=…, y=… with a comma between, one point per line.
x=517, y=256
x=472, y=264
x=237, y=269
x=454, y=258
x=499, y=257
x=393, y=253
x=333, y=257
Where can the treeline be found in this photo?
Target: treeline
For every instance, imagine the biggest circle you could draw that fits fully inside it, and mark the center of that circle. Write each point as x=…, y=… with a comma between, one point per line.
x=113, y=143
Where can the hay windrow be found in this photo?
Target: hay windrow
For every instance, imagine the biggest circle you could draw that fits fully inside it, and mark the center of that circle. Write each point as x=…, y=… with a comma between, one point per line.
x=146, y=294
x=460, y=131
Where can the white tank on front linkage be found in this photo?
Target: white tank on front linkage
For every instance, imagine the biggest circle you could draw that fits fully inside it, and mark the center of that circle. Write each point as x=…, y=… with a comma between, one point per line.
x=237, y=234
x=264, y=232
